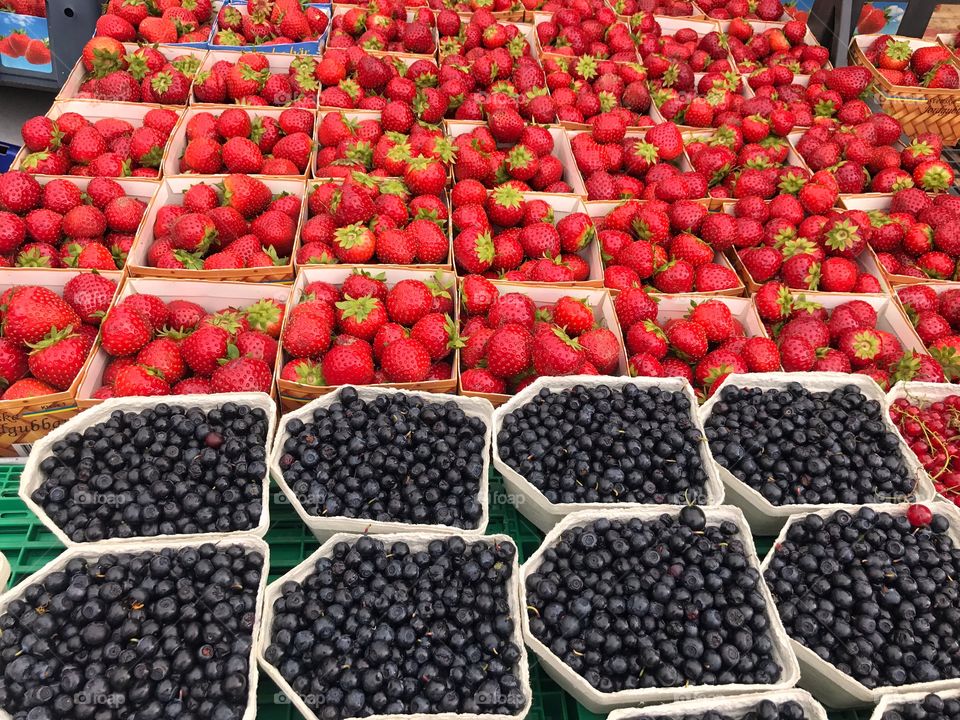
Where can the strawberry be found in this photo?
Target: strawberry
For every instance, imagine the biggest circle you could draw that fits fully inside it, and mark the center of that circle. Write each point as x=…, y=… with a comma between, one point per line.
x=163, y=355
x=243, y=374
x=351, y=365
x=31, y=312
x=761, y=355
x=125, y=331
x=136, y=380
x=602, y=349
x=361, y=317
x=408, y=301
x=203, y=349
x=304, y=336
x=58, y=357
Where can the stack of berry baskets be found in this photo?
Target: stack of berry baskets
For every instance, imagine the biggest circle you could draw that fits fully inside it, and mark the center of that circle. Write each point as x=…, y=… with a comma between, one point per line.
x=316, y=362
x=139, y=64
x=255, y=74
x=253, y=199
x=766, y=518
x=831, y=686
x=918, y=109
x=308, y=26
x=212, y=297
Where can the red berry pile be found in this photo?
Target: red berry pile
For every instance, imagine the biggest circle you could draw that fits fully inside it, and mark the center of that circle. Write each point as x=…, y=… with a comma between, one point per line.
x=269, y=22
x=235, y=224
x=242, y=141
x=668, y=246
x=179, y=21
x=936, y=318
x=673, y=57
x=703, y=346
x=109, y=147
x=59, y=225
x=47, y=335
x=758, y=50
x=146, y=74
x=932, y=429
x=509, y=340
x=670, y=8
x=583, y=88
x=386, y=29
x=178, y=348
x=726, y=9
x=366, y=332
x=502, y=233
x=930, y=65
x=599, y=33
x=507, y=150
x=353, y=79
x=246, y=78
x=360, y=221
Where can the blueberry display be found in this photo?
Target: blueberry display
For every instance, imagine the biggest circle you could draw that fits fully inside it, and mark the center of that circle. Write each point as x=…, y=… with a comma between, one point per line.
x=384, y=629
x=394, y=458
x=665, y=602
x=168, y=470
x=932, y=707
x=873, y=594
x=795, y=446
x=155, y=634
x=600, y=444
x=762, y=710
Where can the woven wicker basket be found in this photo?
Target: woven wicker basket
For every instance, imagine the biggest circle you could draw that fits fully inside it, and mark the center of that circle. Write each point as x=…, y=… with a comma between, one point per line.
x=918, y=109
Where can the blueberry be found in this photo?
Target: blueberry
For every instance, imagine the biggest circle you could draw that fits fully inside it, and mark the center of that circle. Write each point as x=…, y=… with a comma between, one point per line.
x=168, y=470
x=602, y=444
x=795, y=446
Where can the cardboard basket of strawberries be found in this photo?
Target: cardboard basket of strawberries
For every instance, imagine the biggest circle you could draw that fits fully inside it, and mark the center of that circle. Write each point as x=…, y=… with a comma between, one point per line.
x=256, y=78
x=58, y=314
x=393, y=327
x=362, y=220
x=369, y=80
x=415, y=34
x=513, y=333
x=221, y=227
x=162, y=75
x=916, y=81
x=151, y=24
x=171, y=339
x=568, y=33
x=297, y=28
x=70, y=222
x=757, y=46
x=252, y=140
x=108, y=139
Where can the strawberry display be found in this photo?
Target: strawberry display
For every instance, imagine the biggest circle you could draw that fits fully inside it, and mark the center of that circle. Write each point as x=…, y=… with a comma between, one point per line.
x=385, y=28
x=734, y=166
x=358, y=221
x=914, y=235
x=508, y=151
x=178, y=348
x=583, y=88
x=666, y=245
x=269, y=22
x=615, y=165
x=600, y=34
x=235, y=224
x=704, y=344
x=801, y=239
x=176, y=21
x=851, y=337
x=245, y=141
x=70, y=144
x=930, y=427
x=867, y=157
x=509, y=340
x=59, y=225
x=501, y=233
x=367, y=332
x=760, y=51
x=929, y=65
x=346, y=146
x=145, y=74
x=353, y=79
x=750, y=9
x=46, y=336
x=935, y=314
x=247, y=79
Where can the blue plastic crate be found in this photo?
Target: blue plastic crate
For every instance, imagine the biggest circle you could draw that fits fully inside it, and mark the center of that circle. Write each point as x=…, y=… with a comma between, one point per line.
x=8, y=152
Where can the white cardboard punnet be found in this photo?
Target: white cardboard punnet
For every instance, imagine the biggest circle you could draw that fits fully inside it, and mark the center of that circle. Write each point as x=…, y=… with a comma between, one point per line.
x=533, y=504
x=735, y=706
x=895, y=700
x=325, y=526
x=31, y=478
x=599, y=702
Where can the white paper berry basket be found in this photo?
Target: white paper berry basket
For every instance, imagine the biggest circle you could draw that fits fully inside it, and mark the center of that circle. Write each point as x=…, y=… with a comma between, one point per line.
x=599, y=702
x=32, y=477
x=892, y=701
x=732, y=707
x=92, y=551
x=4, y=571
x=766, y=518
x=323, y=527
x=416, y=540
x=829, y=685
x=533, y=504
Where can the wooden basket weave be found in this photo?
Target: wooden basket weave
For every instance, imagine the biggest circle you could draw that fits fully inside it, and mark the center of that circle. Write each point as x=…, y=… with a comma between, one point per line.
x=917, y=109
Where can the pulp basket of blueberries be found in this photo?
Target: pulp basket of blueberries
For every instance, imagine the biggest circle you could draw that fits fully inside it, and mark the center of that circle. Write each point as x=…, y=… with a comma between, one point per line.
x=792, y=704
x=133, y=468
